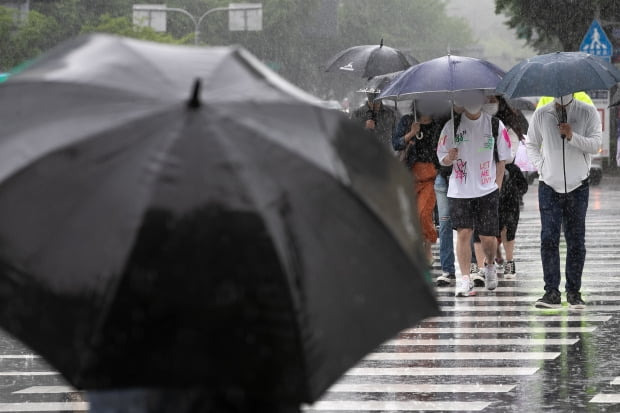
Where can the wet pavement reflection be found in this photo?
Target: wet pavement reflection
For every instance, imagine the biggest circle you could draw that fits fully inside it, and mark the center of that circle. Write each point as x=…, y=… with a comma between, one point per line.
x=497, y=353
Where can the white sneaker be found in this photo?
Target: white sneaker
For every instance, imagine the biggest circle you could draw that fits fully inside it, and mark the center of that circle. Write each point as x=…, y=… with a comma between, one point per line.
x=490, y=276
x=464, y=287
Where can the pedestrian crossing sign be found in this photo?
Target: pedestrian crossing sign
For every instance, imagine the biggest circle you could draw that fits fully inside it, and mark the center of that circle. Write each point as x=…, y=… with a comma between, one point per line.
x=596, y=41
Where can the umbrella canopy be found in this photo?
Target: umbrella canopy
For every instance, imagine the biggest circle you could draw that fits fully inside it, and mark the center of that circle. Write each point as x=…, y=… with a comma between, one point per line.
x=174, y=216
x=558, y=74
x=443, y=76
x=369, y=60
x=380, y=82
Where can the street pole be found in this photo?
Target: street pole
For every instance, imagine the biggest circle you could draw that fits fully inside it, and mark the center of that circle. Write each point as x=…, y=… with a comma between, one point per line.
x=197, y=21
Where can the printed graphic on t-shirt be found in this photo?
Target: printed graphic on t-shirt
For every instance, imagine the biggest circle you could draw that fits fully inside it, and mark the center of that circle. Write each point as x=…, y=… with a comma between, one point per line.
x=460, y=171
x=474, y=172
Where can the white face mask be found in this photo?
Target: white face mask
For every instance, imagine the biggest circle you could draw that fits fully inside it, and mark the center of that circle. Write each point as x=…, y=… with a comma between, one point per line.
x=473, y=108
x=490, y=108
x=565, y=100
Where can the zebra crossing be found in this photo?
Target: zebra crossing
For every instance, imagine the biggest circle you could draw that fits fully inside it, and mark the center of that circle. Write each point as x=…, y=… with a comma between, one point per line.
x=493, y=352
x=496, y=351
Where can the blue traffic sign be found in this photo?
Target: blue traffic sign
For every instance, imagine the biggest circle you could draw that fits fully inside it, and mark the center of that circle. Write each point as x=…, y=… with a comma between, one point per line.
x=596, y=41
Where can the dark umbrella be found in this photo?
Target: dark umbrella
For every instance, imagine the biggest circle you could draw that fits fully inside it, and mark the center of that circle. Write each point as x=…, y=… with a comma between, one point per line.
x=234, y=238
x=558, y=74
x=369, y=60
x=443, y=76
x=380, y=82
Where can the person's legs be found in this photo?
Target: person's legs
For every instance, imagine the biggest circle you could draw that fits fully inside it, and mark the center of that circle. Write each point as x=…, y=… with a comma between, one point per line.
x=425, y=178
x=486, y=220
x=463, y=249
x=446, y=242
x=575, y=233
x=551, y=206
x=461, y=216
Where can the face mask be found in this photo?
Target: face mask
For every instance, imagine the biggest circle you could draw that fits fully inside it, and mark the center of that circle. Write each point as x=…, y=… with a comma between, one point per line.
x=490, y=108
x=566, y=99
x=473, y=108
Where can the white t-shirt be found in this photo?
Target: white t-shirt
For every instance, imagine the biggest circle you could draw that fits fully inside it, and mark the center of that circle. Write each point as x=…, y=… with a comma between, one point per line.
x=473, y=173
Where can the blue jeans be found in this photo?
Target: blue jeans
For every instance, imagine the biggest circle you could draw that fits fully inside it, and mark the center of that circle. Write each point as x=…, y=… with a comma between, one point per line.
x=569, y=210
x=446, y=246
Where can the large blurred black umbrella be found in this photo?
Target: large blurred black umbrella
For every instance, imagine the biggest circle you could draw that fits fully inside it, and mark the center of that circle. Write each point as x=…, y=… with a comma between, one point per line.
x=369, y=60
x=237, y=239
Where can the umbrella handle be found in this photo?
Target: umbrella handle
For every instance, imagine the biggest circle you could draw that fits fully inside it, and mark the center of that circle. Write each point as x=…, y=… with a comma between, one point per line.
x=419, y=135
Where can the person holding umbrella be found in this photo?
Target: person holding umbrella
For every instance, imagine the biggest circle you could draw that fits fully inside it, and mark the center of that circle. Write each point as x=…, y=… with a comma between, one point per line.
x=417, y=135
x=375, y=117
x=561, y=140
x=477, y=149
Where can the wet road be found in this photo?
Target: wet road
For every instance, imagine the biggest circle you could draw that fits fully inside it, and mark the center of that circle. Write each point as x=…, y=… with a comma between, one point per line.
x=491, y=353
x=496, y=352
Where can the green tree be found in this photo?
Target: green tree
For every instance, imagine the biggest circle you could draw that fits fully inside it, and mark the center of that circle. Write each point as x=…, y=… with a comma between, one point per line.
x=551, y=25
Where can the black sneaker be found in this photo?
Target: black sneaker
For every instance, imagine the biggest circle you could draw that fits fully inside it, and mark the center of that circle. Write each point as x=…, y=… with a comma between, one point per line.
x=445, y=279
x=551, y=299
x=574, y=300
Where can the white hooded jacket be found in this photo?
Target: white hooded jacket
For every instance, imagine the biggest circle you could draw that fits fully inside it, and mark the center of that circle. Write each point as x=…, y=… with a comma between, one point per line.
x=545, y=146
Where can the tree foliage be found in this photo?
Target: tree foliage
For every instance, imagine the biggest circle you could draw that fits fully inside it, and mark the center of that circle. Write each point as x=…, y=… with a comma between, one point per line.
x=551, y=25
x=298, y=36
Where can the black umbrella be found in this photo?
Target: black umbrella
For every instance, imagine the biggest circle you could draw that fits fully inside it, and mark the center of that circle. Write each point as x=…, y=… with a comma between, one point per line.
x=238, y=237
x=369, y=60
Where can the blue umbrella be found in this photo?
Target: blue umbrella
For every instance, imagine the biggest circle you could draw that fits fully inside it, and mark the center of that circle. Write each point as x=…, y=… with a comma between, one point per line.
x=558, y=74
x=443, y=76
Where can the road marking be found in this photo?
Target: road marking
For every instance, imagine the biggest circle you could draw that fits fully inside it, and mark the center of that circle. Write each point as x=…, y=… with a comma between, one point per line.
x=44, y=407
x=500, y=308
x=47, y=389
x=606, y=398
x=421, y=388
x=464, y=355
x=498, y=330
x=616, y=381
x=519, y=298
x=29, y=373
x=395, y=406
x=442, y=371
x=483, y=342
x=19, y=356
x=560, y=317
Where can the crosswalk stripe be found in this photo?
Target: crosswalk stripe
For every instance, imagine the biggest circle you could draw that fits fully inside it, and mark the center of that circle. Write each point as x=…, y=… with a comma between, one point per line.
x=442, y=371
x=500, y=308
x=397, y=406
x=19, y=356
x=498, y=330
x=519, y=299
x=606, y=398
x=557, y=317
x=46, y=389
x=462, y=355
x=483, y=342
x=44, y=407
x=616, y=381
x=421, y=388
x=29, y=373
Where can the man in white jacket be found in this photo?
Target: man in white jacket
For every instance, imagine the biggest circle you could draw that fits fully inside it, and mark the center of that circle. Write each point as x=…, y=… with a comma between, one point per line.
x=561, y=149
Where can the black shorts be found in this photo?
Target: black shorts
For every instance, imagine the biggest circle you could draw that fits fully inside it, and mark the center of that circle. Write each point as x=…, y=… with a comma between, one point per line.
x=509, y=217
x=479, y=213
